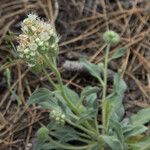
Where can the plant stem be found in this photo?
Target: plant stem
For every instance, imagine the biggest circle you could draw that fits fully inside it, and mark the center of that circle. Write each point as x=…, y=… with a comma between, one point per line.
x=55, y=70
x=49, y=79
x=63, y=92
x=96, y=125
x=105, y=72
x=105, y=86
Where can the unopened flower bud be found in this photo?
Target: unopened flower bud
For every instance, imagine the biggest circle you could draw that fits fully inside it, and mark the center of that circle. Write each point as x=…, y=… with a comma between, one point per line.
x=111, y=37
x=42, y=134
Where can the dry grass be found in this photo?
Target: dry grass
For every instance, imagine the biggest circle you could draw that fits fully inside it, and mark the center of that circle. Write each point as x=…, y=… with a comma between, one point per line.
x=80, y=24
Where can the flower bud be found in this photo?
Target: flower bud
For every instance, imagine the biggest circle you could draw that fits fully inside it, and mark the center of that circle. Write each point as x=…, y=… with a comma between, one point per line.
x=111, y=37
x=42, y=134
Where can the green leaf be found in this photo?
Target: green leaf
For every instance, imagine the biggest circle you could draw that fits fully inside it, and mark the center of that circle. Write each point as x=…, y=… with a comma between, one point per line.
x=62, y=105
x=72, y=96
x=119, y=53
x=46, y=105
x=88, y=91
x=118, y=112
x=91, y=104
x=49, y=146
x=39, y=95
x=98, y=146
x=142, y=117
x=112, y=142
x=107, y=113
x=132, y=130
x=46, y=146
x=93, y=69
x=134, y=139
x=63, y=133
x=44, y=98
x=119, y=87
x=116, y=126
x=91, y=101
x=88, y=115
x=8, y=75
x=144, y=144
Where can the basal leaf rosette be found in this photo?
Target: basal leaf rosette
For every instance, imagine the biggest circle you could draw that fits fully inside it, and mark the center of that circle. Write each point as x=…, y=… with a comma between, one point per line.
x=38, y=38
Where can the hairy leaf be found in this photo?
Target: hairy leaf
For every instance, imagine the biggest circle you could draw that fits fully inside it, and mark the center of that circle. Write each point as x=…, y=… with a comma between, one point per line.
x=43, y=97
x=107, y=113
x=91, y=108
x=141, y=117
x=116, y=126
x=133, y=130
x=112, y=142
x=88, y=91
x=39, y=95
x=72, y=96
x=144, y=144
x=119, y=53
x=91, y=101
x=93, y=69
x=119, y=87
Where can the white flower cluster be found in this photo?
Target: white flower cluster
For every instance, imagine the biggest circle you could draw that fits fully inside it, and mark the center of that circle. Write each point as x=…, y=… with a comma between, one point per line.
x=58, y=117
x=38, y=38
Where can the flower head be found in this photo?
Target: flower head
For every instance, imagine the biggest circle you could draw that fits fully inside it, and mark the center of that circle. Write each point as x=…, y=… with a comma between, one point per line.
x=38, y=38
x=58, y=117
x=111, y=37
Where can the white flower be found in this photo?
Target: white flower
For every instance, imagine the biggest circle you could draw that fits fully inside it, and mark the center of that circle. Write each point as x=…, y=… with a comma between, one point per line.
x=53, y=45
x=28, y=56
x=31, y=65
x=43, y=48
x=41, y=43
x=25, y=29
x=19, y=48
x=46, y=44
x=44, y=36
x=63, y=116
x=26, y=50
x=57, y=118
x=33, y=46
x=32, y=54
x=37, y=40
x=21, y=55
x=32, y=16
x=33, y=28
x=47, y=26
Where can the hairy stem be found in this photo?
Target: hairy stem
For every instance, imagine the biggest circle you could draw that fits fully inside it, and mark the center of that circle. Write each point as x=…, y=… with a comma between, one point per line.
x=49, y=79
x=105, y=85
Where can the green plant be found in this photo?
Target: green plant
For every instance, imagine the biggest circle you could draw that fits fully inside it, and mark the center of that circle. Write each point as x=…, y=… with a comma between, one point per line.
x=73, y=117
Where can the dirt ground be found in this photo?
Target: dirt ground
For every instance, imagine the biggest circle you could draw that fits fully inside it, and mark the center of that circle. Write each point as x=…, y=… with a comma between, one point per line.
x=80, y=25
